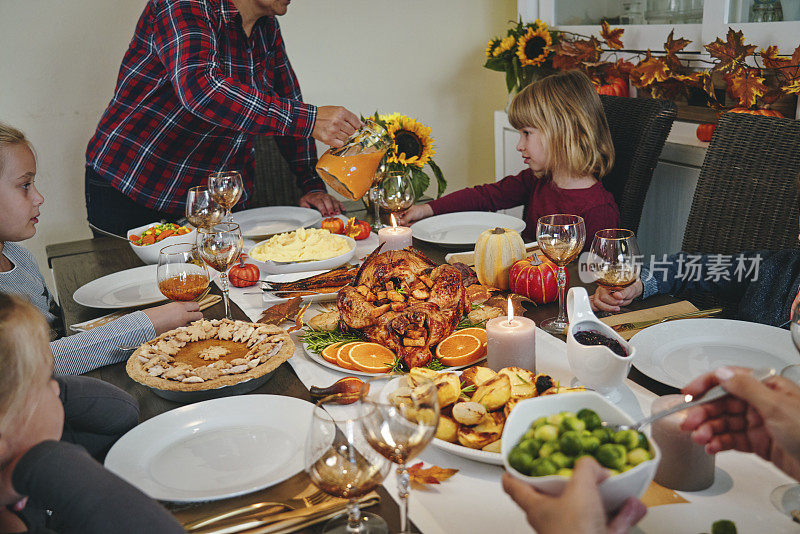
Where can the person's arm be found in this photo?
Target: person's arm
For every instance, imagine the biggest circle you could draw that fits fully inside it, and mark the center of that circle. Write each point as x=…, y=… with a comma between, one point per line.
x=509, y=192
x=85, y=497
x=186, y=44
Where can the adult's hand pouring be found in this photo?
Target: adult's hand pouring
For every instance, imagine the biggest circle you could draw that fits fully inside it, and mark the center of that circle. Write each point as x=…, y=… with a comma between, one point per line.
x=335, y=125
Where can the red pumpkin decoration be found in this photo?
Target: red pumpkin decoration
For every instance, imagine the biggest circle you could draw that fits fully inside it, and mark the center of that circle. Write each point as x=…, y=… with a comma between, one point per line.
x=535, y=278
x=244, y=274
x=705, y=131
x=616, y=87
x=763, y=111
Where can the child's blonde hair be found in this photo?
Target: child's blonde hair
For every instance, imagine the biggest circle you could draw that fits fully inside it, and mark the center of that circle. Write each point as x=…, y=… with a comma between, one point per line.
x=11, y=136
x=24, y=355
x=566, y=109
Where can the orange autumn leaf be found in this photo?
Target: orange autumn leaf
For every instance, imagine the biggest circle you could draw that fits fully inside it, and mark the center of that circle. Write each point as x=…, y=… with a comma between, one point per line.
x=279, y=313
x=772, y=58
x=431, y=475
x=787, y=68
x=612, y=37
x=501, y=301
x=747, y=87
x=649, y=71
x=569, y=55
x=731, y=53
x=672, y=47
x=298, y=320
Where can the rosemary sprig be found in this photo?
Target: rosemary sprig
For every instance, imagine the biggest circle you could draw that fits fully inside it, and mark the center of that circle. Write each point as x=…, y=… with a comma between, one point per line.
x=399, y=366
x=468, y=389
x=466, y=323
x=319, y=340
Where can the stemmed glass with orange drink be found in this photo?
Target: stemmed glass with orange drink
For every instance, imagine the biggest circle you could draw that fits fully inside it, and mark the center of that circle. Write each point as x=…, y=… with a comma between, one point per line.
x=181, y=273
x=220, y=247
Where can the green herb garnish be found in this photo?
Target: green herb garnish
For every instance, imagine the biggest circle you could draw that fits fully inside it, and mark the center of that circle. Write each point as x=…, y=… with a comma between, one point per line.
x=319, y=340
x=468, y=389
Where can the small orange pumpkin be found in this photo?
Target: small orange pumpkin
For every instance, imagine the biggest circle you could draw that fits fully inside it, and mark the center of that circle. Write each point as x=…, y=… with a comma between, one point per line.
x=615, y=87
x=244, y=274
x=705, y=131
x=535, y=278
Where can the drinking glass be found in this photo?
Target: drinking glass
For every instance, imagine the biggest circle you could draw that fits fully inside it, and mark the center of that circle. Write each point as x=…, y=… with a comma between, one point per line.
x=341, y=463
x=400, y=432
x=561, y=237
x=374, y=194
x=396, y=191
x=614, y=258
x=181, y=273
x=226, y=187
x=220, y=247
x=202, y=210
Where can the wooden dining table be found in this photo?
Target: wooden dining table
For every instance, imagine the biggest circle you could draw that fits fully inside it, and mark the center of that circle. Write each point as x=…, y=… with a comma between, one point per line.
x=76, y=263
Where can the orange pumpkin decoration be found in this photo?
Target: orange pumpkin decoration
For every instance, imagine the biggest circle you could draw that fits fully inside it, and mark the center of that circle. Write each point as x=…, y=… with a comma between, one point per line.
x=616, y=87
x=244, y=274
x=535, y=278
x=705, y=131
x=763, y=111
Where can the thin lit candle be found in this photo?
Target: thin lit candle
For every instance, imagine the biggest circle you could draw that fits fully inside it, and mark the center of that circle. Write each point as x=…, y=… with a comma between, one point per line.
x=394, y=237
x=511, y=341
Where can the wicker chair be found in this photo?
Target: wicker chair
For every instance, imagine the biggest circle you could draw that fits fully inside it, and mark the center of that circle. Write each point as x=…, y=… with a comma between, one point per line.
x=275, y=184
x=639, y=129
x=747, y=195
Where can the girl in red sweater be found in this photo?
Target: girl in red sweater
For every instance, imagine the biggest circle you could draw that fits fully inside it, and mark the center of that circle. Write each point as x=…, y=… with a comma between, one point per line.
x=565, y=141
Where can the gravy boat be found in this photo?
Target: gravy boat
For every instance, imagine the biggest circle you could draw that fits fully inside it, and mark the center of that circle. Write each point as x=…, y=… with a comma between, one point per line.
x=595, y=366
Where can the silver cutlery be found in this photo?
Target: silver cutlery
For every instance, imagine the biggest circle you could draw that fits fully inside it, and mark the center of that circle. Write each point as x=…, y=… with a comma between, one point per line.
x=638, y=325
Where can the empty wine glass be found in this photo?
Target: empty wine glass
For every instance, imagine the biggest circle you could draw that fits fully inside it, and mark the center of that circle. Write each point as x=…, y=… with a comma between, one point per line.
x=226, y=187
x=400, y=432
x=341, y=463
x=561, y=238
x=614, y=258
x=397, y=191
x=202, y=210
x=181, y=273
x=220, y=247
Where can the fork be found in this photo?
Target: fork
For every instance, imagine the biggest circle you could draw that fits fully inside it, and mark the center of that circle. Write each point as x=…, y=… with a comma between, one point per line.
x=318, y=497
x=644, y=324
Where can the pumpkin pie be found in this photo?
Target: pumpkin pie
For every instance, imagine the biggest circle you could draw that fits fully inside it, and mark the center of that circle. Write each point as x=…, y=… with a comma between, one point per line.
x=209, y=354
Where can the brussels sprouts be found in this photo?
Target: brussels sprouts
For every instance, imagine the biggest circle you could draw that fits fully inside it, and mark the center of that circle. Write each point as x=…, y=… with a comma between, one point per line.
x=570, y=422
x=605, y=435
x=590, y=418
x=564, y=472
x=627, y=438
x=589, y=443
x=539, y=422
x=546, y=433
x=555, y=419
x=529, y=434
x=638, y=455
x=612, y=456
x=643, y=443
x=723, y=526
x=520, y=460
x=548, y=448
x=541, y=467
x=570, y=443
x=561, y=460
x=531, y=446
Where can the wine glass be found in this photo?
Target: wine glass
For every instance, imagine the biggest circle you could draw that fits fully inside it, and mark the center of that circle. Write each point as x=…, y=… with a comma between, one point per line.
x=220, y=247
x=226, y=187
x=202, y=210
x=614, y=258
x=786, y=498
x=181, y=273
x=561, y=239
x=341, y=463
x=400, y=432
x=396, y=191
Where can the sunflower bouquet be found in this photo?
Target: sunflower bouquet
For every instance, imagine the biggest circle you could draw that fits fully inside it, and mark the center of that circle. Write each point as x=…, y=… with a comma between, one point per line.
x=411, y=150
x=524, y=54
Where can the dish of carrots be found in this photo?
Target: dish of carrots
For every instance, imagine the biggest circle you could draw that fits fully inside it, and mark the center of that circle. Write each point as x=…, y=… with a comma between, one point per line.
x=158, y=232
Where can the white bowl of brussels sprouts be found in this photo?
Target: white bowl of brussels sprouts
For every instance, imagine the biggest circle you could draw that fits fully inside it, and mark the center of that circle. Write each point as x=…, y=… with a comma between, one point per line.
x=543, y=437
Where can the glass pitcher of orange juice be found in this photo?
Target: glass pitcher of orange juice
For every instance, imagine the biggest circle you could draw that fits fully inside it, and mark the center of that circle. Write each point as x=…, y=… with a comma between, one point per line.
x=350, y=170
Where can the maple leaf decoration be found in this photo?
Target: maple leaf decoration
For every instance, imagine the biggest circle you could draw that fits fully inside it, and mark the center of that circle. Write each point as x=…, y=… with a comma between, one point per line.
x=431, y=475
x=787, y=68
x=298, y=320
x=568, y=55
x=649, y=71
x=731, y=53
x=672, y=47
x=747, y=87
x=281, y=312
x=611, y=37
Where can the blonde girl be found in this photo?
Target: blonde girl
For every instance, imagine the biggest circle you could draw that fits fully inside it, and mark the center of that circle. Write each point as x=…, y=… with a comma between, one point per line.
x=20, y=205
x=565, y=142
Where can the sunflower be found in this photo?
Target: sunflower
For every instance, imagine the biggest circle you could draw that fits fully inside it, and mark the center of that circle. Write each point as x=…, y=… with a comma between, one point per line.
x=411, y=142
x=506, y=44
x=490, y=47
x=532, y=48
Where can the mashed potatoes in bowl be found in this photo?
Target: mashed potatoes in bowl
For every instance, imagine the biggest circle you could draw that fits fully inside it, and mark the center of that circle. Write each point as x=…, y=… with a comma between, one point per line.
x=302, y=250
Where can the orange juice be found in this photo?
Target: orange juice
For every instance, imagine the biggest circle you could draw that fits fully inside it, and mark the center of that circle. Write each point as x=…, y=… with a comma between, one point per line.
x=352, y=175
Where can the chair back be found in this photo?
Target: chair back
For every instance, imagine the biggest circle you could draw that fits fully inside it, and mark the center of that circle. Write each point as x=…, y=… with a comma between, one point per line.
x=275, y=183
x=639, y=128
x=747, y=195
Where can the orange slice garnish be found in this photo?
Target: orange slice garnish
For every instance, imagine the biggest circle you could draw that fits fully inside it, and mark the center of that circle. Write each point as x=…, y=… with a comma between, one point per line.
x=371, y=357
x=342, y=359
x=460, y=349
x=480, y=333
x=329, y=353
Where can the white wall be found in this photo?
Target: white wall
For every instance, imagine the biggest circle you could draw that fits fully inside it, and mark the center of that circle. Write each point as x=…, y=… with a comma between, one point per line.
x=423, y=58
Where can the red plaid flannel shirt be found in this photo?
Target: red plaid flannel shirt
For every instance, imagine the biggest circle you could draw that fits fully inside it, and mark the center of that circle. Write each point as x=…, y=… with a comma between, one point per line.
x=192, y=92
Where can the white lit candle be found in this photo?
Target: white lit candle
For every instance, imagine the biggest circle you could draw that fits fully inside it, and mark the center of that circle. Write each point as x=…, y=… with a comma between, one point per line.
x=511, y=342
x=394, y=237
x=684, y=466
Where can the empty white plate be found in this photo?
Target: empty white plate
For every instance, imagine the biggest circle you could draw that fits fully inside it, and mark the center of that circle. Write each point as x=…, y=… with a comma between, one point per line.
x=123, y=289
x=463, y=228
x=677, y=352
x=259, y=223
x=215, y=449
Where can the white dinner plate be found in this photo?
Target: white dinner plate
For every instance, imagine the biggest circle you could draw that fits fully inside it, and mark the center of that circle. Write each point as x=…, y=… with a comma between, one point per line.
x=215, y=449
x=463, y=228
x=259, y=223
x=123, y=289
x=677, y=352
x=269, y=297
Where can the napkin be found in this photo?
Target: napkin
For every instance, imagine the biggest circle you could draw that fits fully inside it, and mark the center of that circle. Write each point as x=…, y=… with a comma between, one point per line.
x=649, y=314
x=656, y=495
x=206, y=302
